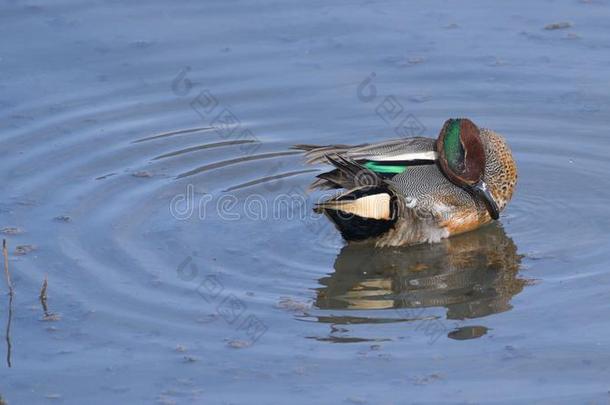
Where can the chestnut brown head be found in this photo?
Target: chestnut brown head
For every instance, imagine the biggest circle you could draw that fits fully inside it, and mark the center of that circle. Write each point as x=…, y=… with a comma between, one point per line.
x=462, y=159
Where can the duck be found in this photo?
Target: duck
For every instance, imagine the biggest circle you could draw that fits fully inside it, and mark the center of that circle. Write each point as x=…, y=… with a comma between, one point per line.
x=415, y=190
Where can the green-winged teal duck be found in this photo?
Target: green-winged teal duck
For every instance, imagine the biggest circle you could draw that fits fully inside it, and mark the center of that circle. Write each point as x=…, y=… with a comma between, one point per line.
x=415, y=190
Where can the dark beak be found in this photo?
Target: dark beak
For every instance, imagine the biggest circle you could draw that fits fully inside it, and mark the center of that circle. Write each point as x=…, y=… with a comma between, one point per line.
x=482, y=191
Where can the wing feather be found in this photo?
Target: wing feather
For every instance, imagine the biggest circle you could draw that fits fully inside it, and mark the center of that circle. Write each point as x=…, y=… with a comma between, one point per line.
x=406, y=149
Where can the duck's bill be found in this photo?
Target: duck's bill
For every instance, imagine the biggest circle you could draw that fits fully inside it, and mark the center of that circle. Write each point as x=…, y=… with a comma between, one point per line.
x=483, y=192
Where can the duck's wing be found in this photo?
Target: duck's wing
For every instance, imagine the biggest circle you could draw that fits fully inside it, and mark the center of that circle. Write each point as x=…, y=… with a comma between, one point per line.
x=373, y=204
x=387, y=159
x=394, y=150
x=365, y=209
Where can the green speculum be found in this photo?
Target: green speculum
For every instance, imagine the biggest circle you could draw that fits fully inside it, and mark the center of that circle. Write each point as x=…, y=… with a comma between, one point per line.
x=389, y=169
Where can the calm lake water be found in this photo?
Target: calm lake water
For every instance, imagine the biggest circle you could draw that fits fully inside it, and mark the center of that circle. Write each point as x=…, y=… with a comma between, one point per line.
x=147, y=172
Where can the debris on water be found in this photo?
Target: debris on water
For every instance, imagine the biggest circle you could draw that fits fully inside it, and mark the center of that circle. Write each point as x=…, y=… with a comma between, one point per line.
x=165, y=400
x=427, y=379
x=468, y=332
x=142, y=174
x=291, y=305
x=299, y=370
x=531, y=35
x=415, y=60
x=558, y=25
x=24, y=249
x=208, y=318
x=105, y=176
x=572, y=35
x=496, y=62
x=156, y=281
x=26, y=202
x=181, y=349
x=238, y=344
x=375, y=347
x=47, y=316
x=511, y=352
x=51, y=317
x=420, y=98
x=11, y=230
x=141, y=44
x=53, y=396
x=189, y=359
x=535, y=255
x=62, y=218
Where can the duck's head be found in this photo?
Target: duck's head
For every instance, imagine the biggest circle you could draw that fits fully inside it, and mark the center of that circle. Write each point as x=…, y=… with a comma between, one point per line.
x=461, y=156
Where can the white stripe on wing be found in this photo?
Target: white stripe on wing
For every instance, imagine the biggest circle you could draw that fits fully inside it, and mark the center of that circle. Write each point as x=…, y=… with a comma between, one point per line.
x=431, y=155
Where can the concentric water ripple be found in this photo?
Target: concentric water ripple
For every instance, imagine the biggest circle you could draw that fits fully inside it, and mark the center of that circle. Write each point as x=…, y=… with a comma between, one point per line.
x=148, y=173
x=118, y=195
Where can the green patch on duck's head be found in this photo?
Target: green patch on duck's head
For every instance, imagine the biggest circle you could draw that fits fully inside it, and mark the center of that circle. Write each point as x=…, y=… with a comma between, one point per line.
x=453, y=150
x=461, y=151
x=462, y=159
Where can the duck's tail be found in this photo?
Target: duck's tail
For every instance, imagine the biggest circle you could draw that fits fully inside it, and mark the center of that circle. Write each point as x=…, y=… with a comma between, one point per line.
x=316, y=154
x=369, y=207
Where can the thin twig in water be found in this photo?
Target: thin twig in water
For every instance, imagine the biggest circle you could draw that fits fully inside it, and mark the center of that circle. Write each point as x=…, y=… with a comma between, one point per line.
x=6, y=272
x=47, y=316
x=10, y=304
x=43, y=295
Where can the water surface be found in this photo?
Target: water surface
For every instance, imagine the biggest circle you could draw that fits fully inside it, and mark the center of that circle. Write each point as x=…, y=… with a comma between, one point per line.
x=147, y=171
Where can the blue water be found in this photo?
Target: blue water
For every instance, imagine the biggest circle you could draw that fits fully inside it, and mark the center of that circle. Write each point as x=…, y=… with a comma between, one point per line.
x=146, y=155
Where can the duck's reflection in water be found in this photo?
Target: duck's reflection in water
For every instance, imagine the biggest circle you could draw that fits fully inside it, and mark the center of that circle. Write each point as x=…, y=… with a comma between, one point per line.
x=471, y=275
